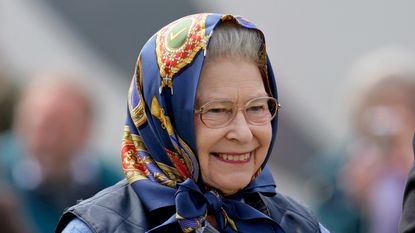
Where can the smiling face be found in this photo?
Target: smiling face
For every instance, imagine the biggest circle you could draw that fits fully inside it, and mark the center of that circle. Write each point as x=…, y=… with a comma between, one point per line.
x=231, y=155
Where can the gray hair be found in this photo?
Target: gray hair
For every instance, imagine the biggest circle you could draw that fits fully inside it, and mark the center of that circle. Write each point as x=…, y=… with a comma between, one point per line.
x=231, y=40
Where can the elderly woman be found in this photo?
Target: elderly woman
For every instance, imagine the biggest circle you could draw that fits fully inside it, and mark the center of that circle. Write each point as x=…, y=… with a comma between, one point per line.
x=201, y=123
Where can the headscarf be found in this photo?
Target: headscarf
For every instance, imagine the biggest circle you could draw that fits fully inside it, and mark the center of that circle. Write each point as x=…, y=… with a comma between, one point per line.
x=159, y=148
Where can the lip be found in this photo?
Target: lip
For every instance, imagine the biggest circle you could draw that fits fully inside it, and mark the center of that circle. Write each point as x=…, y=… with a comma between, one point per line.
x=234, y=157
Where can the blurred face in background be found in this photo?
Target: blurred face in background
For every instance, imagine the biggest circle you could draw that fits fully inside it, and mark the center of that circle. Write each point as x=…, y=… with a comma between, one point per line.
x=53, y=124
x=383, y=144
x=388, y=120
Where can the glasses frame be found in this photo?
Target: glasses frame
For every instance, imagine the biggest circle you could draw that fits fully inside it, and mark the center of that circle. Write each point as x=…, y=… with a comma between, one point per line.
x=236, y=109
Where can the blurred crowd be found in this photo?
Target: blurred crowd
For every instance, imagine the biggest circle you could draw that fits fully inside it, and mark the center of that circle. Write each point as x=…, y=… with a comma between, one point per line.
x=46, y=162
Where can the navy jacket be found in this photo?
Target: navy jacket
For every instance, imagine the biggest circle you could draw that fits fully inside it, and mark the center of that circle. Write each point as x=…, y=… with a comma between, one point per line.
x=118, y=209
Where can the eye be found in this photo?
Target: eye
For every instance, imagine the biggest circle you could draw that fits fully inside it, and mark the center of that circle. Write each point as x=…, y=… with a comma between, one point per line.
x=217, y=113
x=218, y=110
x=218, y=107
x=256, y=108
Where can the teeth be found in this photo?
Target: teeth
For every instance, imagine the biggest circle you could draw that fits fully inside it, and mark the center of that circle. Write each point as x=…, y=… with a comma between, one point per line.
x=243, y=157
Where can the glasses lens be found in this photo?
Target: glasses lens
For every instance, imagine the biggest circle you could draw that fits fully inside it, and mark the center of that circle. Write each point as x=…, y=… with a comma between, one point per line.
x=217, y=113
x=261, y=110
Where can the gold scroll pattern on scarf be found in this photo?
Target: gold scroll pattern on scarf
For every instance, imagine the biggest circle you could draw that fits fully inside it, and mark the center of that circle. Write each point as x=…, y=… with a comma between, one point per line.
x=137, y=112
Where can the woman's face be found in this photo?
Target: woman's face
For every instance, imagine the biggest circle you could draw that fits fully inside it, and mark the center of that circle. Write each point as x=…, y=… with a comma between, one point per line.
x=230, y=156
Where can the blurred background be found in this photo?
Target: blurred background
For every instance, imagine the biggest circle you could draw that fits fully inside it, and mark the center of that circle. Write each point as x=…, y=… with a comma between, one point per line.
x=329, y=58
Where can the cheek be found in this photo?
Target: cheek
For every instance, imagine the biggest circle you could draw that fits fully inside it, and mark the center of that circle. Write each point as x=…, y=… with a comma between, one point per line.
x=268, y=135
x=200, y=139
x=198, y=131
x=206, y=139
x=264, y=134
x=202, y=145
x=264, y=137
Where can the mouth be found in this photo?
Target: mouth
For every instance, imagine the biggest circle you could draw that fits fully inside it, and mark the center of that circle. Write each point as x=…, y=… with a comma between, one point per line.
x=234, y=157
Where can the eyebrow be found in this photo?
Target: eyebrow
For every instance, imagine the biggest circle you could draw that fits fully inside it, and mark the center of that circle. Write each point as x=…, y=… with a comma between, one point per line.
x=197, y=100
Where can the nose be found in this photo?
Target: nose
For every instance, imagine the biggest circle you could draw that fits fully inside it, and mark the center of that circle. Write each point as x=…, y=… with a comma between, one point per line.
x=239, y=129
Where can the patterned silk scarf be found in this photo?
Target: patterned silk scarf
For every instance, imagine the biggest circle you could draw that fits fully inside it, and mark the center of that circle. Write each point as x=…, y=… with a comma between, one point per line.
x=158, y=149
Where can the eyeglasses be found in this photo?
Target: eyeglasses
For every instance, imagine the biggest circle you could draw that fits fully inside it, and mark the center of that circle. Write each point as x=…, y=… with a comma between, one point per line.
x=257, y=111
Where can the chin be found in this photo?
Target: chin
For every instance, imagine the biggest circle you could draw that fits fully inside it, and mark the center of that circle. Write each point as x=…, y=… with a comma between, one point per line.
x=232, y=187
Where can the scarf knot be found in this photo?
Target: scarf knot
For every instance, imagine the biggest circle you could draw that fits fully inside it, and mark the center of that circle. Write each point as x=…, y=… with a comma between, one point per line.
x=214, y=200
x=193, y=206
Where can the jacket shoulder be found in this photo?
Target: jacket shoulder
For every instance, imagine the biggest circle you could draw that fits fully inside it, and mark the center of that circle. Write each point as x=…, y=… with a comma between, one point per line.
x=114, y=209
x=290, y=214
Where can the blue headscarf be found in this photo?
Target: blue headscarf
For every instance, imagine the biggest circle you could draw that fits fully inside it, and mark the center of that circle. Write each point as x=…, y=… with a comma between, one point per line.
x=159, y=148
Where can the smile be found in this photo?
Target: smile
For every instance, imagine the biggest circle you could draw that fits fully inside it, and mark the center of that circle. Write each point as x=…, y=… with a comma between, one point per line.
x=234, y=157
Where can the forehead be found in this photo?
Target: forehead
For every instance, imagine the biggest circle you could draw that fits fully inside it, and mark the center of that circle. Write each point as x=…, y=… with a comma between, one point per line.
x=230, y=78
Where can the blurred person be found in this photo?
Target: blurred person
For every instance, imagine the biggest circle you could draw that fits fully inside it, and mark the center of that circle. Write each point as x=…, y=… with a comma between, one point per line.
x=200, y=125
x=10, y=217
x=407, y=223
x=48, y=162
x=379, y=155
x=376, y=171
x=338, y=211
